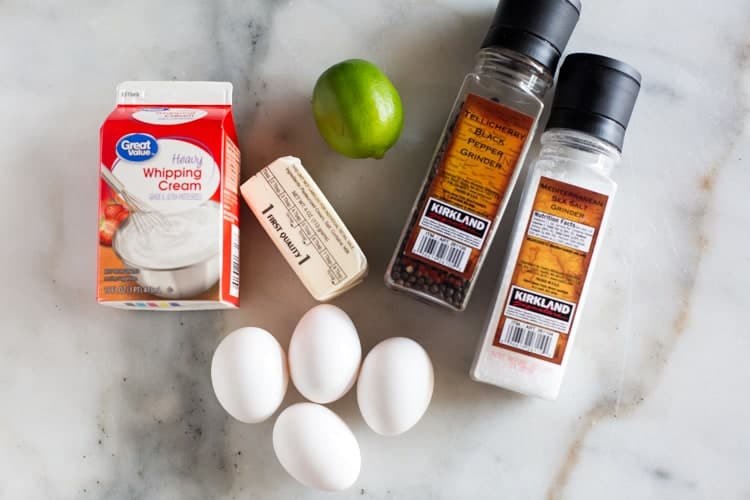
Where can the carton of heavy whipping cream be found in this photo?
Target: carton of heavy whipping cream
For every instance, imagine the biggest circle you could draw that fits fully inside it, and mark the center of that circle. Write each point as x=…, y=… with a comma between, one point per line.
x=168, y=198
x=305, y=228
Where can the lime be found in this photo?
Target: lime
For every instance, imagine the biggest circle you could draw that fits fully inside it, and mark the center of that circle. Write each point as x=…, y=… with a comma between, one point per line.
x=357, y=109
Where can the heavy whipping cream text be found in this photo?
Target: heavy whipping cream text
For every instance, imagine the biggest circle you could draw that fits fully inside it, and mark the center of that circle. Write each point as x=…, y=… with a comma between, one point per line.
x=178, y=178
x=180, y=170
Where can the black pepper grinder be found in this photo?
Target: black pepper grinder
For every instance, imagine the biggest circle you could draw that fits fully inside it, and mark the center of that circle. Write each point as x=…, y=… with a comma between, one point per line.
x=481, y=152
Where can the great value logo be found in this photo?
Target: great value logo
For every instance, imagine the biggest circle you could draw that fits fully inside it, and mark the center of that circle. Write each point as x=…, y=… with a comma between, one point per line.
x=137, y=147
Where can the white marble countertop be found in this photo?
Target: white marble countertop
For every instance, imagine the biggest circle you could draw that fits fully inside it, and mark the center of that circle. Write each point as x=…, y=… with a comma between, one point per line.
x=100, y=403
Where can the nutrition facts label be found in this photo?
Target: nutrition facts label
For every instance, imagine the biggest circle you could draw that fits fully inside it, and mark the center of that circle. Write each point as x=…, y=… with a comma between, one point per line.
x=297, y=203
x=231, y=182
x=562, y=231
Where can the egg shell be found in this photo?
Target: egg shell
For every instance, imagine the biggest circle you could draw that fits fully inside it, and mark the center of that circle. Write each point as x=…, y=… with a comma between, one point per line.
x=395, y=386
x=249, y=374
x=324, y=354
x=316, y=447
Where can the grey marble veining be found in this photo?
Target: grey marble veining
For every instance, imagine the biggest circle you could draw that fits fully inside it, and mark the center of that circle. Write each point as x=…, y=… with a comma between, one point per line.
x=98, y=403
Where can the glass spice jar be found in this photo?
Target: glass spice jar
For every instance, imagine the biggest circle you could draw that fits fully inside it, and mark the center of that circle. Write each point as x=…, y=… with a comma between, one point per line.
x=559, y=229
x=480, y=153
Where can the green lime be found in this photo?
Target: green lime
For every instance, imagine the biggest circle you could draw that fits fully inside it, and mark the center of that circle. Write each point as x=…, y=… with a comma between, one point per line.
x=357, y=109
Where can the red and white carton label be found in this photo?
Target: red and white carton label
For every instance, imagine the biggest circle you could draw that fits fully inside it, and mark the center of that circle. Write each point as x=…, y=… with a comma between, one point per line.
x=168, y=208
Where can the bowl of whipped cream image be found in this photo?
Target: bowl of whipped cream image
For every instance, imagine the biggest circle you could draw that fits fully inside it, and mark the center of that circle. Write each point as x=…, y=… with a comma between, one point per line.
x=177, y=258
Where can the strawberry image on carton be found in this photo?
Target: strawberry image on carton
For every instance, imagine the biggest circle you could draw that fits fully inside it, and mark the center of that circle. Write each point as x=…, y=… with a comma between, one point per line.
x=168, y=208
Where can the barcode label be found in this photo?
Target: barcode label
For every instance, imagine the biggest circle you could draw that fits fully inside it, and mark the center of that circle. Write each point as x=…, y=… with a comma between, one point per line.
x=529, y=338
x=234, y=281
x=441, y=250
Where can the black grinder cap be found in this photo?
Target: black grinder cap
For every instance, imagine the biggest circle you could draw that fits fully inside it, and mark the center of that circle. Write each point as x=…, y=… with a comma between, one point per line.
x=596, y=95
x=539, y=29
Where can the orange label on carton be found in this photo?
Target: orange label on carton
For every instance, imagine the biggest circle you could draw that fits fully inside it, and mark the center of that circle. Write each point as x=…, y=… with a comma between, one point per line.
x=468, y=188
x=550, y=271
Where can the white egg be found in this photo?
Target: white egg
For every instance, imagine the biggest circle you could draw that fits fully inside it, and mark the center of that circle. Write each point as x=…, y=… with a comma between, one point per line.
x=316, y=447
x=249, y=374
x=324, y=354
x=395, y=386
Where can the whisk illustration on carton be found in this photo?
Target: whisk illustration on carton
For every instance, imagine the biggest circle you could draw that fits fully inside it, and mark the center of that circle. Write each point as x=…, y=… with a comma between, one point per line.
x=144, y=216
x=168, y=206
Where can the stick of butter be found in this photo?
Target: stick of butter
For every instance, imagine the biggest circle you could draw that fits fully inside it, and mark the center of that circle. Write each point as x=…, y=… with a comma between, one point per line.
x=305, y=228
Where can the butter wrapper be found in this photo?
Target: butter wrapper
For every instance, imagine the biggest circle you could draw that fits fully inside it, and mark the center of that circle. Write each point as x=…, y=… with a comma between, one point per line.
x=305, y=228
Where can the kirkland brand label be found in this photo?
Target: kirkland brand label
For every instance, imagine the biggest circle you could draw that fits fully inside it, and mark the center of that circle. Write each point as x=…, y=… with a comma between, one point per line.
x=541, y=309
x=550, y=271
x=454, y=223
x=469, y=186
